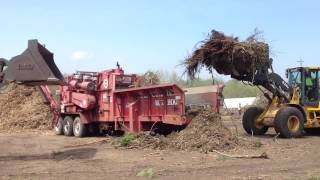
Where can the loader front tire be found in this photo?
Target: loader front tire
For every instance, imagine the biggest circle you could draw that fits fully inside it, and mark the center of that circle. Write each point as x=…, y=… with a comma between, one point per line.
x=249, y=121
x=289, y=122
x=58, y=128
x=79, y=129
x=68, y=126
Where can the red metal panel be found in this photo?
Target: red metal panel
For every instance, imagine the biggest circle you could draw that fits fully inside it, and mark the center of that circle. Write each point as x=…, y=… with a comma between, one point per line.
x=84, y=101
x=152, y=104
x=206, y=96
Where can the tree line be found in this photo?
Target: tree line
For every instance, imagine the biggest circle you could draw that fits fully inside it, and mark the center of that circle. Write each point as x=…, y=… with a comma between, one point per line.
x=233, y=88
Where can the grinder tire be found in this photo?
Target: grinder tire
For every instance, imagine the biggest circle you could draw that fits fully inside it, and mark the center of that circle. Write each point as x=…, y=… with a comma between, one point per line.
x=79, y=129
x=249, y=121
x=68, y=126
x=58, y=128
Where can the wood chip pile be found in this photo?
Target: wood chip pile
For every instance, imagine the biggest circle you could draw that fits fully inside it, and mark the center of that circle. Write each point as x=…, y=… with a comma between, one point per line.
x=22, y=107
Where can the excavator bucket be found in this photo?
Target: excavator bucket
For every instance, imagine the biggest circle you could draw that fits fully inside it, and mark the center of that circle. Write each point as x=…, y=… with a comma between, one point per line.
x=35, y=66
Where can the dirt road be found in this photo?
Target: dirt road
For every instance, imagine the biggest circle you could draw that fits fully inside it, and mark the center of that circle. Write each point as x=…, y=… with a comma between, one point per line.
x=46, y=156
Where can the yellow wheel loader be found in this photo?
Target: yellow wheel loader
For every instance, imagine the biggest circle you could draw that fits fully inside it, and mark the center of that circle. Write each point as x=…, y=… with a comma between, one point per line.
x=293, y=107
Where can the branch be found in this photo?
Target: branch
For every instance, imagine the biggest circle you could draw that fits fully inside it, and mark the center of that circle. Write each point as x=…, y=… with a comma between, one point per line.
x=262, y=156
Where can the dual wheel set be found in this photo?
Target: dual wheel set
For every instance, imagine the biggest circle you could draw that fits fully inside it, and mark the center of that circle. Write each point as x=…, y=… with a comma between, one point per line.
x=288, y=122
x=71, y=126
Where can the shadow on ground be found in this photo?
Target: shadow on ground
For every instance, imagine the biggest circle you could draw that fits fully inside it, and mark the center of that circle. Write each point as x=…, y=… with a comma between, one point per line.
x=81, y=153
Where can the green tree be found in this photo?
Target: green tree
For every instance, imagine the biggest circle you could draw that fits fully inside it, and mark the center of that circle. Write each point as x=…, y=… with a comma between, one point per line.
x=236, y=89
x=233, y=88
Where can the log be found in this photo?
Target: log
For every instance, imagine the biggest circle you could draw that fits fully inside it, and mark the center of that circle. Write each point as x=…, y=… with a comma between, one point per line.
x=261, y=156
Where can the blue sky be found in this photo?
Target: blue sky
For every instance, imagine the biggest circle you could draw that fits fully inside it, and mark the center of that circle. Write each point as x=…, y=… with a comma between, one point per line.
x=146, y=34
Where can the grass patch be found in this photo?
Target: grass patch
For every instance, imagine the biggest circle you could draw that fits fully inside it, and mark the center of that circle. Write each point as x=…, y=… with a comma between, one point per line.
x=222, y=158
x=314, y=178
x=148, y=173
x=258, y=143
x=125, y=140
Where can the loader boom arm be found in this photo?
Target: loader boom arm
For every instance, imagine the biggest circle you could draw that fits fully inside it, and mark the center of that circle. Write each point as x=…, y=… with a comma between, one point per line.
x=50, y=100
x=265, y=77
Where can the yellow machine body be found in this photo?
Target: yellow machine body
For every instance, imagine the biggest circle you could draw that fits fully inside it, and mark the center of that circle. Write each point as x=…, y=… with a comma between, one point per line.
x=311, y=113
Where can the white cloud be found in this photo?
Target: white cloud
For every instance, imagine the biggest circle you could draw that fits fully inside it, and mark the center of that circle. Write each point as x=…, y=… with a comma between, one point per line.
x=81, y=55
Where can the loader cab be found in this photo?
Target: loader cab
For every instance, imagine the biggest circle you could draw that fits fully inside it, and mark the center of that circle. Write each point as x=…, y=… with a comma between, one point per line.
x=307, y=80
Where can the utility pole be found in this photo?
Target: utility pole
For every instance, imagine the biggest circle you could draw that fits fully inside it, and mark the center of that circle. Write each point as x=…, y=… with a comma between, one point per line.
x=212, y=76
x=301, y=62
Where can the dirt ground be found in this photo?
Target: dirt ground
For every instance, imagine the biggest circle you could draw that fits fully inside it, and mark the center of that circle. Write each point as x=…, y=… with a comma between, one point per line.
x=42, y=155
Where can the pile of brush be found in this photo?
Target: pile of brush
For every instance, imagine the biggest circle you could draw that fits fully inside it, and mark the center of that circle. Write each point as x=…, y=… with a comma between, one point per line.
x=228, y=56
x=147, y=79
x=206, y=133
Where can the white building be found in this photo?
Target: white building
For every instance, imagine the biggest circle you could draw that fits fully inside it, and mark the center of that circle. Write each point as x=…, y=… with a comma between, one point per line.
x=232, y=103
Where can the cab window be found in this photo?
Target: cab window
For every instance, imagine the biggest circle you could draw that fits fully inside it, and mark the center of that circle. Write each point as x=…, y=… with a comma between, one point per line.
x=294, y=78
x=311, y=85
